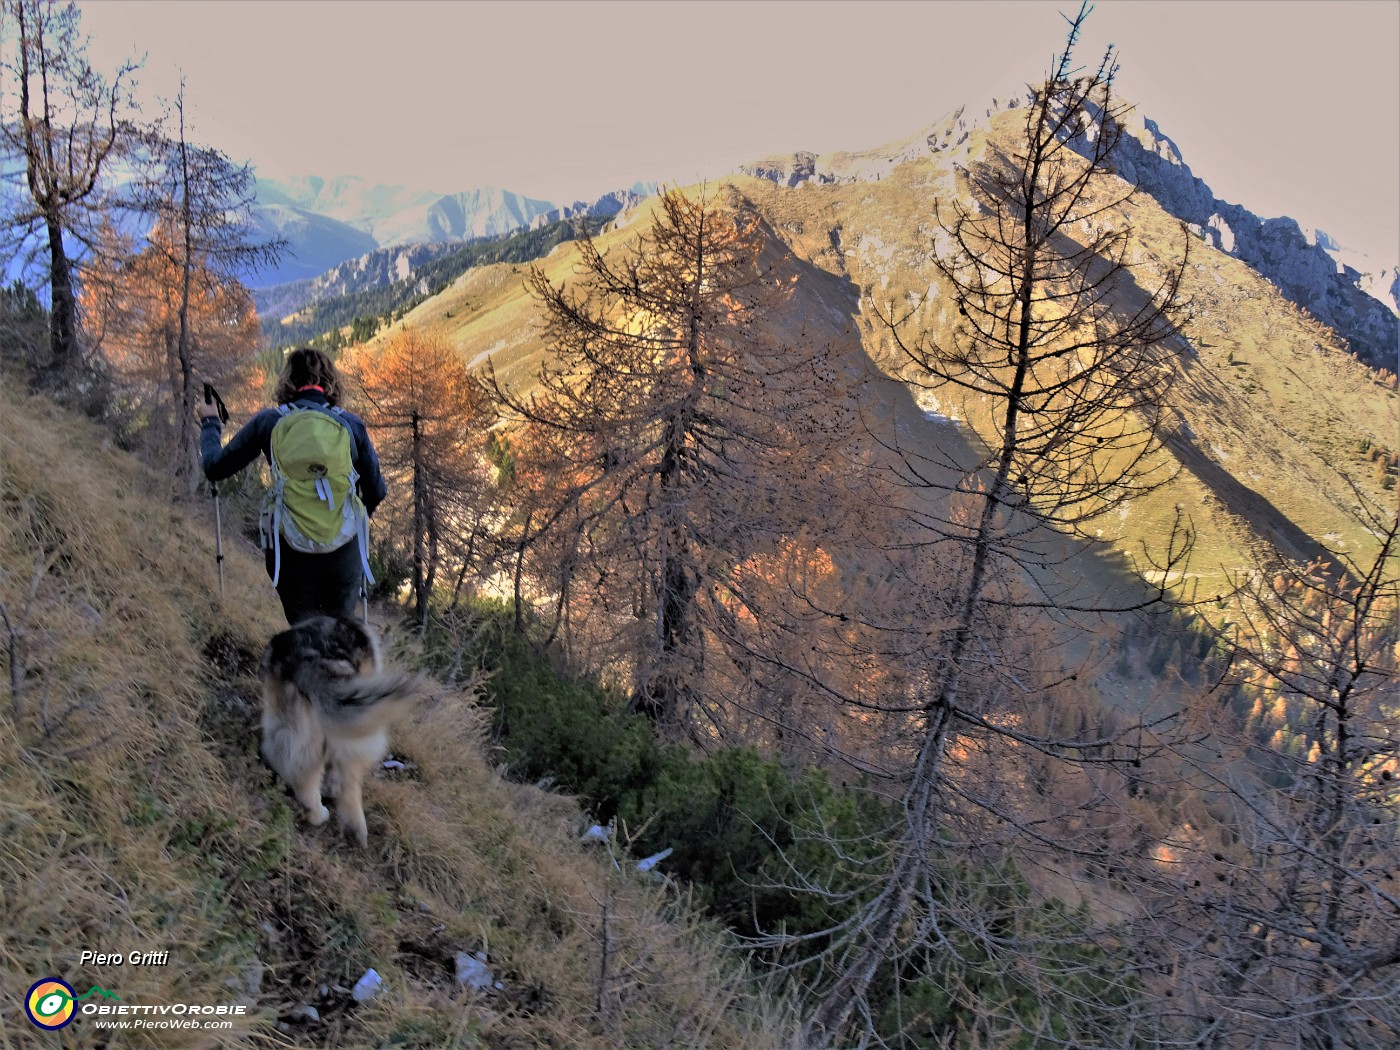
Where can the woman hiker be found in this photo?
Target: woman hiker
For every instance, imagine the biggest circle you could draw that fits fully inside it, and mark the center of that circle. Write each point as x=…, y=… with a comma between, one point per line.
x=325, y=484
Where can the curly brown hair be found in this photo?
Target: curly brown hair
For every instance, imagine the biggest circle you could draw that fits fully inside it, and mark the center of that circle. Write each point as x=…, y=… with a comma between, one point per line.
x=307, y=366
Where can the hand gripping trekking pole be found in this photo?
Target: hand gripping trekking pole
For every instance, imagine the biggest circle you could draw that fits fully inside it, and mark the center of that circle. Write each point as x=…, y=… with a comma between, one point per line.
x=211, y=396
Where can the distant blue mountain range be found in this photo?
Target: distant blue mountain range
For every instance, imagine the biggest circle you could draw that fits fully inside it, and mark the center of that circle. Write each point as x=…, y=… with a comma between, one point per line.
x=330, y=221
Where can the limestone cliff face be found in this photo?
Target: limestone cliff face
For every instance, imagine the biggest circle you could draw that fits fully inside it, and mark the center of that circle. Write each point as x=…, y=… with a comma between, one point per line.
x=951, y=136
x=372, y=269
x=786, y=169
x=1278, y=249
x=1387, y=282
x=608, y=206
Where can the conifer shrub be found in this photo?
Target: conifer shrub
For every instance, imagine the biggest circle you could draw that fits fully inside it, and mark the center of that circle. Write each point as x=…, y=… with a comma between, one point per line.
x=746, y=830
x=391, y=567
x=24, y=330
x=737, y=822
x=1074, y=987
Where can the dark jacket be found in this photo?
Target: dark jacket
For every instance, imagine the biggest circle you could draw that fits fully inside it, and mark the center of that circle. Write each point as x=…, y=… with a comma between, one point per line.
x=256, y=437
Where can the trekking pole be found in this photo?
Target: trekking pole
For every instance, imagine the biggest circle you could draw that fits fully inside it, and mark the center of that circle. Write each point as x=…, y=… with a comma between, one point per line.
x=364, y=574
x=218, y=538
x=210, y=397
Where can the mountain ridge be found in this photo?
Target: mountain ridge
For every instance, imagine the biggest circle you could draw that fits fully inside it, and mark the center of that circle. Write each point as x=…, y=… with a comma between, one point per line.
x=1311, y=268
x=347, y=235
x=1275, y=423
x=1357, y=297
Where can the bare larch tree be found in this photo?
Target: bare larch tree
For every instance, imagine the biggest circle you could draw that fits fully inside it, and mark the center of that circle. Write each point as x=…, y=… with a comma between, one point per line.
x=665, y=426
x=1281, y=928
x=1060, y=361
x=65, y=124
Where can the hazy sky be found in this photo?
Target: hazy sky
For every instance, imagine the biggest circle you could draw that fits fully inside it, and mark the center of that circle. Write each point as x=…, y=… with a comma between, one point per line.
x=1287, y=107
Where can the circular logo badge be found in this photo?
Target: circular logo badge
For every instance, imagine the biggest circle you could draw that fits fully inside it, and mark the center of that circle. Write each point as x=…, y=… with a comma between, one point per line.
x=49, y=1003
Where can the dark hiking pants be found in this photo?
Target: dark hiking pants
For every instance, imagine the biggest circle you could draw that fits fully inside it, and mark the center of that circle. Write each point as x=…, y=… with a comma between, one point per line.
x=318, y=583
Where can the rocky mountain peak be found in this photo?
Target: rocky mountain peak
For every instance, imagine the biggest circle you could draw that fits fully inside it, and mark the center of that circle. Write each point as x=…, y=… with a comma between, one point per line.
x=1310, y=270
x=949, y=135
x=1355, y=296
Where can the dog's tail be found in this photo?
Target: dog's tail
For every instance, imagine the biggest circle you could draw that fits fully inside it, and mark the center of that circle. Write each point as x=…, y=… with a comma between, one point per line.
x=364, y=703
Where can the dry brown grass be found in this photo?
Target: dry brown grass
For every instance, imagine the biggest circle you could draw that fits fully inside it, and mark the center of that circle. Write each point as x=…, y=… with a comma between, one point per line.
x=135, y=815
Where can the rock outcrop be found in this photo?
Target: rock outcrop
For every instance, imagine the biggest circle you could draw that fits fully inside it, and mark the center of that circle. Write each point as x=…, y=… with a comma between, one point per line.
x=373, y=269
x=1304, y=269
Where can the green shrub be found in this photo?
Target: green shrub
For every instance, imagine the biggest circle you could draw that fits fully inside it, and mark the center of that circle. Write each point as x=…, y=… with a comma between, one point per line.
x=729, y=815
x=391, y=568
x=745, y=829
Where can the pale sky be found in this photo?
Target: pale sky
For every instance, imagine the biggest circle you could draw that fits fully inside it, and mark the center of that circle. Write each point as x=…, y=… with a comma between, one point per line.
x=1290, y=107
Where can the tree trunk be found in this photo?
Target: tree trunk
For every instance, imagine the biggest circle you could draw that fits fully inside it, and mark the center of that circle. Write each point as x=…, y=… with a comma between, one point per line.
x=520, y=573
x=63, y=313
x=189, y=458
x=659, y=693
x=420, y=555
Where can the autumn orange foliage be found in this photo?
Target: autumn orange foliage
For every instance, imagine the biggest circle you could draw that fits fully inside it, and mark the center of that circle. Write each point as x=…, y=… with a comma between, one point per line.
x=429, y=417
x=131, y=310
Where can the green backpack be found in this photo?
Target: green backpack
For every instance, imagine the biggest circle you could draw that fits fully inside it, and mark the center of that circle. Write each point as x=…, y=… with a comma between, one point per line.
x=313, y=504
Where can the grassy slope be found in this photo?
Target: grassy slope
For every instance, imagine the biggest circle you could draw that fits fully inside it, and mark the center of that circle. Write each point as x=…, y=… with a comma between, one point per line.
x=1270, y=442
x=1271, y=409
x=135, y=815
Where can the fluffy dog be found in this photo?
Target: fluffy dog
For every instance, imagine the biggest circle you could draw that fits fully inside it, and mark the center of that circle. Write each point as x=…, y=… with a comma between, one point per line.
x=327, y=701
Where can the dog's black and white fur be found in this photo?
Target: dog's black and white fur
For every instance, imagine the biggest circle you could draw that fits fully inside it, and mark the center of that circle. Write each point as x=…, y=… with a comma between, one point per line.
x=327, y=701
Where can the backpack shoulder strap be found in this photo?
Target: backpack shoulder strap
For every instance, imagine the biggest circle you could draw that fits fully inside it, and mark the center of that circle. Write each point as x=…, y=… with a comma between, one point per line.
x=344, y=418
x=334, y=411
